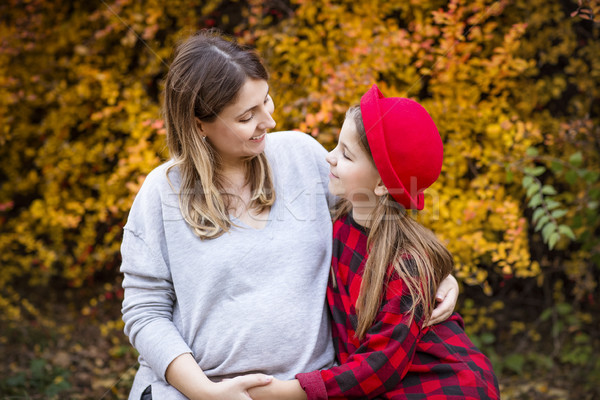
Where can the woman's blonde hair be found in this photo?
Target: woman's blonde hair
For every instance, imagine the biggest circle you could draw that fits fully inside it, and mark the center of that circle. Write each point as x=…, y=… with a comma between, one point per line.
x=205, y=76
x=396, y=239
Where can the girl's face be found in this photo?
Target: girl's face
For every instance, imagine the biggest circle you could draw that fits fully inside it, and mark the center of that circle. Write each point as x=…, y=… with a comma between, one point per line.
x=352, y=173
x=239, y=130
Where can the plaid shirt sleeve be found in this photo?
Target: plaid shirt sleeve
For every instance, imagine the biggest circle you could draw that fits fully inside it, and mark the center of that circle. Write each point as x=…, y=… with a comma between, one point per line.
x=382, y=359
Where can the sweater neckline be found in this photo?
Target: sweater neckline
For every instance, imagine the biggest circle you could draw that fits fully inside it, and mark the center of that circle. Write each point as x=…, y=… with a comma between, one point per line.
x=244, y=225
x=355, y=224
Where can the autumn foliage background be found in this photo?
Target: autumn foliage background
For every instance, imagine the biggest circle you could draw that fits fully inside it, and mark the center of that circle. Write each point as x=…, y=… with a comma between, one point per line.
x=514, y=87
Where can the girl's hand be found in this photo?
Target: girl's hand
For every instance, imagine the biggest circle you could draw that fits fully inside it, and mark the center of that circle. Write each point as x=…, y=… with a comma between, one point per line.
x=446, y=297
x=278, y=390
x=236, y=388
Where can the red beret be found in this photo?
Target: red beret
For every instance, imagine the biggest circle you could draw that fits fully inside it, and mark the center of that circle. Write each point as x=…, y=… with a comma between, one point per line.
x=405, y=143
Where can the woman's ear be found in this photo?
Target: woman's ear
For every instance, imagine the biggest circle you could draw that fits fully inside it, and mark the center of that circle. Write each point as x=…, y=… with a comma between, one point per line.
x=380, y=189
x=199, y=124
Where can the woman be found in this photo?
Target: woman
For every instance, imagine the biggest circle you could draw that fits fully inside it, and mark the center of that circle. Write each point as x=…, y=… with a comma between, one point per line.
x=227, y=247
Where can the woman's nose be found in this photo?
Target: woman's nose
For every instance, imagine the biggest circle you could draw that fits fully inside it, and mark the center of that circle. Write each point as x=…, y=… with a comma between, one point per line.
x=270, y=122
x=269, y=109
x=267, y=121
x=330, y=158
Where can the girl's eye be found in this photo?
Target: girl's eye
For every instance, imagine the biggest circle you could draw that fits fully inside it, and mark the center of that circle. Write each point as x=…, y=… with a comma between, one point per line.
x=345, y=156
x=267, y=99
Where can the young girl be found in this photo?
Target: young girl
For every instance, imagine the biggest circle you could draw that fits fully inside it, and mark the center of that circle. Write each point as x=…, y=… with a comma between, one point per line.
x=385, y=269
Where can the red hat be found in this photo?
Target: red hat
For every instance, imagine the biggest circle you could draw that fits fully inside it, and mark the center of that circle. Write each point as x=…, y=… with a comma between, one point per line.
x=405, y=144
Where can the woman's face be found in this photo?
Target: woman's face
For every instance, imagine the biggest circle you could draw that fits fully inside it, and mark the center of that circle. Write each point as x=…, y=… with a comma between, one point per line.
x=239, y=130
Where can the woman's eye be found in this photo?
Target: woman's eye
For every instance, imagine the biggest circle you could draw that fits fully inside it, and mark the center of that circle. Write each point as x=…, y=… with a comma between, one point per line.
x=247, y=119
x=267, y=99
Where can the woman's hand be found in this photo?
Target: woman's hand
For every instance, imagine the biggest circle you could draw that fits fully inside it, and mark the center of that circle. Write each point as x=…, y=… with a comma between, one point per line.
x=446, y=297
x=186, y=376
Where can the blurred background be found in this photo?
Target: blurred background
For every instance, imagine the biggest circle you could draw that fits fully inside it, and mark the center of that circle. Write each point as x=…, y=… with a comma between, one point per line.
x=514, y=88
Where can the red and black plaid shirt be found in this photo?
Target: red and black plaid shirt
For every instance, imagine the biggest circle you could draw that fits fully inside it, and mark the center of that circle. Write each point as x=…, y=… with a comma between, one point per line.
x=397, y=358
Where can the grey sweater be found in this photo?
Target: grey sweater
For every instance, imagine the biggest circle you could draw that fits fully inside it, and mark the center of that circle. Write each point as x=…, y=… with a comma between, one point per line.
x=248, y=301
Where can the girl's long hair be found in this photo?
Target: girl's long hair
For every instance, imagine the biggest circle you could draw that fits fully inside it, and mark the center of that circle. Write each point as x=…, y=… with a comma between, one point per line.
x=396, y=239
x=206, y=75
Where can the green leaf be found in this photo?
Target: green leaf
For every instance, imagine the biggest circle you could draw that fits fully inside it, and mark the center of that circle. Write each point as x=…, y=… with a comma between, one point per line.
x=592, y=205
x=37, y=367
x=576, y=159
x=552, y=204
x=567, y=231
x=559, y=213
x=16, y=380
x=542, y=360
x=527, y=181
x=539, y=170
x=556, y=167
x=542, y=222
x=564, y=308
x=533, y=188
x=515, y=362
x=557, y=328
x=549, y=190
x=535, y=171
x=56, y=388
x=582, y=338
x=535, y=201
x=591, y=176
x=487, y=338
x=531, y=151
x=548, y=230
x=537, y=214
x=571, y=176
x=546, y=314
x=509, y=176
x=553, y=240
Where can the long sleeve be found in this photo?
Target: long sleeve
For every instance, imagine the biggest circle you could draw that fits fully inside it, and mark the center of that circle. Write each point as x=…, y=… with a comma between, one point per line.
x=397, y=358
x=382, y=359
x=148, y=305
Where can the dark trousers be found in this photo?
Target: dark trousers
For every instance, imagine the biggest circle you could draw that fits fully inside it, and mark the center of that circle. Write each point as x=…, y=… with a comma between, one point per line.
x=147, y=395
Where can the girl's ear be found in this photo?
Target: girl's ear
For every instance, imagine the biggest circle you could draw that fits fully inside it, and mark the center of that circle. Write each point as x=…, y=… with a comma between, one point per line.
x=380, y=189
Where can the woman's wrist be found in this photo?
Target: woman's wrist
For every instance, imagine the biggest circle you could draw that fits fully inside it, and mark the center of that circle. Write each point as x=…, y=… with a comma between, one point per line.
x=204, y=390
x=186, y=376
